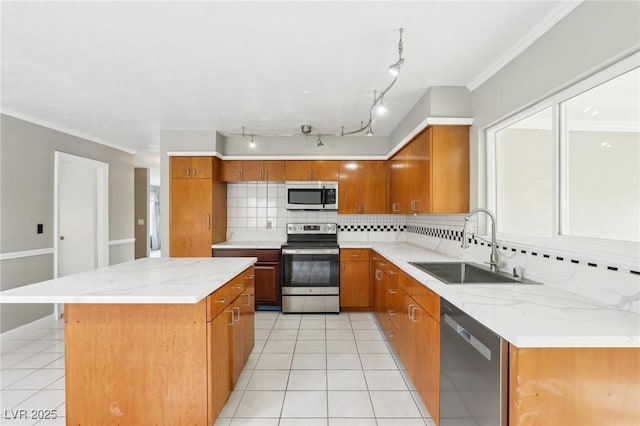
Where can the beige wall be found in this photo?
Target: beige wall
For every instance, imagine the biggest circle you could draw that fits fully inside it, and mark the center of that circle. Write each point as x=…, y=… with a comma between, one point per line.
x=141, y=188
x=26, y=199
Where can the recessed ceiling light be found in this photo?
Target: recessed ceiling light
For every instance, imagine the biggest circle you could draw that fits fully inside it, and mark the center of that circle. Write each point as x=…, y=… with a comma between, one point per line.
x=595, y=112
x=306, y=92
x=587, y=109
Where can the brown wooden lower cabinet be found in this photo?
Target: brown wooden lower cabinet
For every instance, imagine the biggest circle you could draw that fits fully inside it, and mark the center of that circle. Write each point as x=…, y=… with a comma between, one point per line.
x=574, y=386
x=354, y=279
x=157, y=364
x=267, y=273
x=545, y=386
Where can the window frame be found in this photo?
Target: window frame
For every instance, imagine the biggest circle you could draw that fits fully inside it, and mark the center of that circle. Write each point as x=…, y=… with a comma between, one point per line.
x=615, y=252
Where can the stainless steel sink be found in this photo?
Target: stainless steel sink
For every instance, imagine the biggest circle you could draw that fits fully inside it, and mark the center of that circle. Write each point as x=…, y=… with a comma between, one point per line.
x=466, y=273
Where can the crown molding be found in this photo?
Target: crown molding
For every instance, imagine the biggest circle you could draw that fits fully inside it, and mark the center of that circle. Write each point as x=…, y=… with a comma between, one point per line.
x=555, y=16
x=66, y=130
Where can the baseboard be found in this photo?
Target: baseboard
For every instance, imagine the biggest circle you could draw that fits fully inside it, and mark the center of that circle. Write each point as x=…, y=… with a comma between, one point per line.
x=15, y=333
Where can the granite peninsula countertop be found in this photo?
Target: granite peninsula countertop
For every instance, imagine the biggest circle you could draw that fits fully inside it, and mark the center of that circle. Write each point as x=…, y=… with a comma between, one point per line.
x=525, y=315
x=149, y=280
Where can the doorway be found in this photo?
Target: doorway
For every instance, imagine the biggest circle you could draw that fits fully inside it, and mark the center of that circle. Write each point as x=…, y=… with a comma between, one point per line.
x=81, y=216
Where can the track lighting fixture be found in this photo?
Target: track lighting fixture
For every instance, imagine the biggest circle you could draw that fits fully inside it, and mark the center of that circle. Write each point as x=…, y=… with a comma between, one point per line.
x=377, y=107
x=394, y=69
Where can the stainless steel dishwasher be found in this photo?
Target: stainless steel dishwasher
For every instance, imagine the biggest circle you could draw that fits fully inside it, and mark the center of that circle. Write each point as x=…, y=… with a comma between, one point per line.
x=473, y=371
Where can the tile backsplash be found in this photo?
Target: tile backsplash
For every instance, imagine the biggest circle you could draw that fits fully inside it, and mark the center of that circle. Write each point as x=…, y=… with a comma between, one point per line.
x=259, y=208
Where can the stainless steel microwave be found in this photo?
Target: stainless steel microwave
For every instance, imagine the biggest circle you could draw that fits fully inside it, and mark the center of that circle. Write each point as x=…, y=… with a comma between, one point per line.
x=312, y=195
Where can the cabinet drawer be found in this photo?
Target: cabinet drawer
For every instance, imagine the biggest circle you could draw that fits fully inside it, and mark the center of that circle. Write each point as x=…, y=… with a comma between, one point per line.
x=354, y=255
x=426, y=298
x=222, y=297
x=266, y=255
x=218, y=300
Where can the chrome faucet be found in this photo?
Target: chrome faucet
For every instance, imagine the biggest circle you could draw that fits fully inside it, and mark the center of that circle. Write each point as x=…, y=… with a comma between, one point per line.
x=493, y=260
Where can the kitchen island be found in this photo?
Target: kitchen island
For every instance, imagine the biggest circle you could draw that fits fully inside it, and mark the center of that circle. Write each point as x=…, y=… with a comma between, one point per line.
x=153, y=341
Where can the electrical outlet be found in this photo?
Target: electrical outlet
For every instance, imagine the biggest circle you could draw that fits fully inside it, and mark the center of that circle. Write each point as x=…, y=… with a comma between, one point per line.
x=140, y=221
x=269, y=225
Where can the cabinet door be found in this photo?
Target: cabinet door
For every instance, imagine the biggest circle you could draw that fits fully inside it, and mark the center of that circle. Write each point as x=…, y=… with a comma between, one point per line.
x=418, y=173
x=267, y=278
x=350, y=187
x=274, y=170
x=252, y=170
x=373, y=187
x=324, y=170
x=190, y=217
x=354, y=284
x=426, y=364
x=180, y=167
x=248, y=315
x=238, y=332
x=218, y=362
x=201, y=167
x=450, y=169
x=398, y=193
x=231, y=171
x=298, y=170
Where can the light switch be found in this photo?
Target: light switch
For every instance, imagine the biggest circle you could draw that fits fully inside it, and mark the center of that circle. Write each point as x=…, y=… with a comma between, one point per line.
x=140, y=222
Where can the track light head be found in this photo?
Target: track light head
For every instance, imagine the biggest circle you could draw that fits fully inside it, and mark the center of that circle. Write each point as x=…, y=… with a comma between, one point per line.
x=252, y=144
x=319, y=144
x=394, y=69
x=369, y=131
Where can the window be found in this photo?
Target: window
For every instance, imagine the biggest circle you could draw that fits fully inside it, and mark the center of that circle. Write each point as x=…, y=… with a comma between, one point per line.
x=524, y=171
x=600, y=155
x=566, y=173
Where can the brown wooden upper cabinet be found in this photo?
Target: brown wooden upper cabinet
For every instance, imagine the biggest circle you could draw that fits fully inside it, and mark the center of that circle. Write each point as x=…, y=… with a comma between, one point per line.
x=231, y=171
x=269, y=170
x=253, y=170
x=362, y=187
x=191, y=167
x=312, y=170
x=194, y=222
x=431, y=173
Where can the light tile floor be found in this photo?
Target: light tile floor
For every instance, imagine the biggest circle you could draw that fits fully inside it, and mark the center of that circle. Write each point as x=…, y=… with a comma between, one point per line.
x=329, y=370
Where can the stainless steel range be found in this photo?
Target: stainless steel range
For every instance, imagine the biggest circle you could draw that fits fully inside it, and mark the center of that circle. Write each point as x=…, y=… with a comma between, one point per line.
x=311, y=269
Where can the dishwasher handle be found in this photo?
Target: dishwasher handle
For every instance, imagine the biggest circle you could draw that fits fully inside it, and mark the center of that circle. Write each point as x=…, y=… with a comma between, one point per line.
x=468, y=337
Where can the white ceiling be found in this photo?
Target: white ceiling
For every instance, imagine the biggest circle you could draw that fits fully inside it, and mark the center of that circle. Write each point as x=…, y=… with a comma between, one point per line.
x=121, y=72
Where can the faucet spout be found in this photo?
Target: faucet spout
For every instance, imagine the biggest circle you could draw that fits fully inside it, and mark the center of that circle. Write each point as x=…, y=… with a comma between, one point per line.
x=493, y=259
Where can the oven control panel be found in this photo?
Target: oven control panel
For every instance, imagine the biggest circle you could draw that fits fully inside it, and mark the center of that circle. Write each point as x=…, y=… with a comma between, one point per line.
x=312, y=228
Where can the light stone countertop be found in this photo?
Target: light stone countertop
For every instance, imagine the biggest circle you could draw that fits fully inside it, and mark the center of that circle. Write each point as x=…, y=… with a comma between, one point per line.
x=149, y=280
x=249, y=245
x=525, y=315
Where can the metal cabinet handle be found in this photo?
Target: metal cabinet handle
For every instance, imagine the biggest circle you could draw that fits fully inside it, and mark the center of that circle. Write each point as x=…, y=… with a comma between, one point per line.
x=208, y=220
x=234, y=309
x=260, y=175
x=413, y=314
x=355, y=255
x=395, y=207
x=194, y=172
x=393, y=291
x=187, y=171
x=238, y=287
x=381, y=264
x=409, y=308
x=378, y=275
x=248, y=277
x=232, y=322
x=239, y=174
x=248, y=299
x=223, y=300
x=391, y=272
x=392, y=312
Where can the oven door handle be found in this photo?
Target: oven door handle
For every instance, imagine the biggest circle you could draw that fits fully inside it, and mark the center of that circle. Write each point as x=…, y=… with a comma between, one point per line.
x=310, y=251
